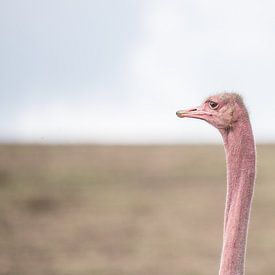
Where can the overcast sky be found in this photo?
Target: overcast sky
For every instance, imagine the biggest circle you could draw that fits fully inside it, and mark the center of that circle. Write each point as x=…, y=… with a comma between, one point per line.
x=116, y=71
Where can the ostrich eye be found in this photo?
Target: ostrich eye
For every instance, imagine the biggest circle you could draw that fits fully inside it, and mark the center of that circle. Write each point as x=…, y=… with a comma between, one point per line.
x=213, y=105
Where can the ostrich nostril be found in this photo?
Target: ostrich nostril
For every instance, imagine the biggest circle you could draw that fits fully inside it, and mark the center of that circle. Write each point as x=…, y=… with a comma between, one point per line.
x=185, y=112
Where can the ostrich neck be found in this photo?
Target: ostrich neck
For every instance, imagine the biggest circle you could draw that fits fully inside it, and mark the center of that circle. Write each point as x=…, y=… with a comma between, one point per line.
x=240, y=161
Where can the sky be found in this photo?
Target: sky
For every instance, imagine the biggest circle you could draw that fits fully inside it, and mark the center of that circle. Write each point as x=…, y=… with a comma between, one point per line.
x=117, y=71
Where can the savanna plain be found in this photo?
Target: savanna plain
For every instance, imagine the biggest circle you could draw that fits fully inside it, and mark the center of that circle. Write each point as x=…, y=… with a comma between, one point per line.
x=125, y=210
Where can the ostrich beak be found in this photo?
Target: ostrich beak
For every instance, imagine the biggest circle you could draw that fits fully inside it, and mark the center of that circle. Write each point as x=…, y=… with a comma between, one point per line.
x=193, y=113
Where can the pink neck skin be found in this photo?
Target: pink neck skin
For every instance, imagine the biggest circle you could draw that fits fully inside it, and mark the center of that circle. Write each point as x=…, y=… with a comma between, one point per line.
x=240, y=161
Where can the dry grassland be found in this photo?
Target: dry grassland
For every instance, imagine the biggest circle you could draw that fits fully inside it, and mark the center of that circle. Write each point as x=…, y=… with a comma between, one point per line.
x=125, y=210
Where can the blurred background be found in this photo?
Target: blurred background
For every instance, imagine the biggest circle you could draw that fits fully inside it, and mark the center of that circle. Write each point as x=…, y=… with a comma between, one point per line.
x=97, y=174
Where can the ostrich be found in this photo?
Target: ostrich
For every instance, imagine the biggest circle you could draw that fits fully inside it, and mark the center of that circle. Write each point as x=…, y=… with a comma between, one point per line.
x=226, y=112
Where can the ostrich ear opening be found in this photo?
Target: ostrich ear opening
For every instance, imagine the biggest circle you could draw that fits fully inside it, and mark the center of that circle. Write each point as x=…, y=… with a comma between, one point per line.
x=228, y=117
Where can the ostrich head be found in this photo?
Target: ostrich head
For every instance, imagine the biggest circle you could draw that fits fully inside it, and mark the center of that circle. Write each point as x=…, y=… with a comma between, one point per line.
x=223, y=110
